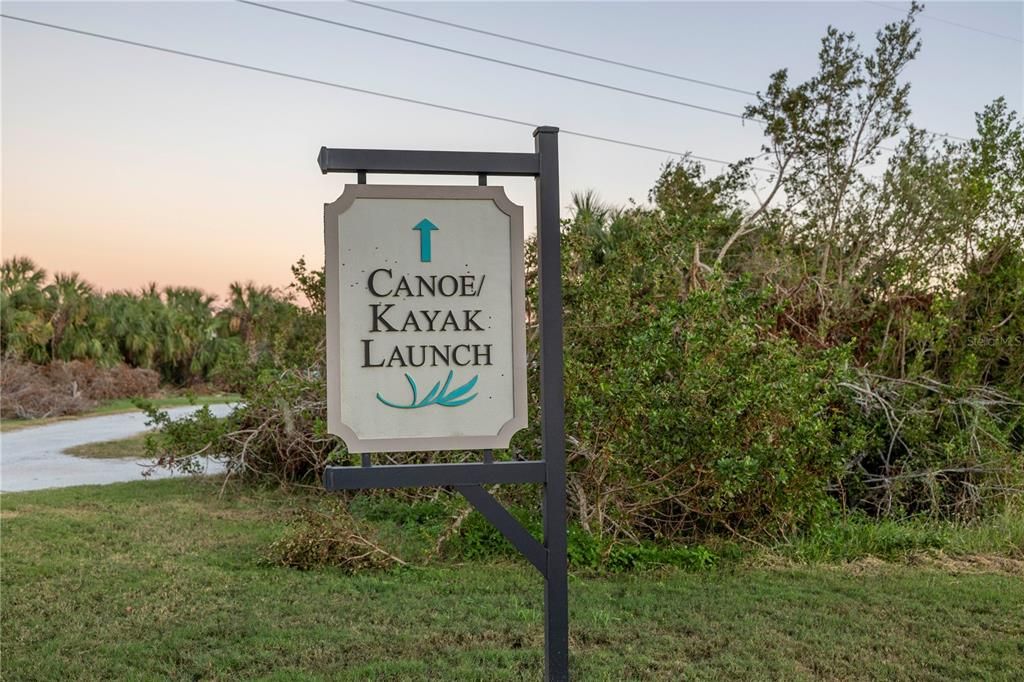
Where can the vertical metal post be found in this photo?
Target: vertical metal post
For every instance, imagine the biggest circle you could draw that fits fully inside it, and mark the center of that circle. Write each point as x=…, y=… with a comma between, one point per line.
x=551, y=559
x=552, y=408
x=361, y=180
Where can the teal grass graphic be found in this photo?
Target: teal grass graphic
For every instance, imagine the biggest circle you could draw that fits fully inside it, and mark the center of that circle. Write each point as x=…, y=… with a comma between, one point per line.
x=438, y=395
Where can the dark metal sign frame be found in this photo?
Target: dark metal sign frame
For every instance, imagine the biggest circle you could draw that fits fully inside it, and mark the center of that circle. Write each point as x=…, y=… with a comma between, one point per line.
x=548, y=556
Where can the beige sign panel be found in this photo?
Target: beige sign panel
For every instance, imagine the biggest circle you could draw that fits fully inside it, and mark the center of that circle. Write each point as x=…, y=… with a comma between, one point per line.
x=426, y=337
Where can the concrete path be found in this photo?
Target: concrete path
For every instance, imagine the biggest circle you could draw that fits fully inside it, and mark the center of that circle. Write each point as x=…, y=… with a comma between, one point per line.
x=32, y=458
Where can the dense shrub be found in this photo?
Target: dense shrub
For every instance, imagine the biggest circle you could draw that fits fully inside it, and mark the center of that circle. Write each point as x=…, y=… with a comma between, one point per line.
x=749, y=354
x=279, y=432
x=686, y=414
x=689, y=411
x=933, y=449
x=985, y=341
x=719, y=427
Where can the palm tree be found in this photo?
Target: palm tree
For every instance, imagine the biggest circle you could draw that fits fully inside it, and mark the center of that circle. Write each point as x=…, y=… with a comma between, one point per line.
x=25, y=329
x=247, y=305
x=131, y=318
x=74, y=337
x=600, y=223
x=589, y=210
x=191, y=324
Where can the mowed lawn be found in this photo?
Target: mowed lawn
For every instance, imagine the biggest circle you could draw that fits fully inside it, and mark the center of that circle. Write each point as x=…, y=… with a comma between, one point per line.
x=165, y=580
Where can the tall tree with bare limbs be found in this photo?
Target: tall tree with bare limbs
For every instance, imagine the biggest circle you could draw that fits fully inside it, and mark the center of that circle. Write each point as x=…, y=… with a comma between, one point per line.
x=822, y=135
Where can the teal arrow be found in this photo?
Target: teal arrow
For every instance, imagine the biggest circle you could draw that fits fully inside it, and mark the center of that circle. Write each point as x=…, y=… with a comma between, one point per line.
x=425, y=227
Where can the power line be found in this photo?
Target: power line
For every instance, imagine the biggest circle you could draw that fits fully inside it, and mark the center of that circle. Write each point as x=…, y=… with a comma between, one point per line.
x=493, y=60
x=554, y=48
x=926, y=15
x=554, y=74
x=364, y=91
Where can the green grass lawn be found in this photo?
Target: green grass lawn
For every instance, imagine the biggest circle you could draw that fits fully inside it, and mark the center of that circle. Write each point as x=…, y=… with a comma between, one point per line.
x=133, y=447
x=119, y=406
x=164, y=580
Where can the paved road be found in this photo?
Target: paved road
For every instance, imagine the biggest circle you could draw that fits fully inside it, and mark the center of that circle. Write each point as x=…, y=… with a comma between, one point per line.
x=32, y=458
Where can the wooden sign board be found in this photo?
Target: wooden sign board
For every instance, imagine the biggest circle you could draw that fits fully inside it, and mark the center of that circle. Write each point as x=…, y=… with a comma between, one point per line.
x=426, y=319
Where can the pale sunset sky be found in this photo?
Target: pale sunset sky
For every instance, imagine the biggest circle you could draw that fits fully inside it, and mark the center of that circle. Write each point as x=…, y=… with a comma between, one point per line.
x=131, y=166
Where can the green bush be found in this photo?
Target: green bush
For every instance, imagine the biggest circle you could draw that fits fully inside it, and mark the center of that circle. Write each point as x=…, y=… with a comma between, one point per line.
x=278, y=433
x=477, y=539
x=184, y=444
x=687, y=411
x=702, y=422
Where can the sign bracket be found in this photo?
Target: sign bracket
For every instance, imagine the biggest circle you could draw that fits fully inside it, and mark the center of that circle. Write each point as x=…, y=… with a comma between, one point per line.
x=509, y=526
x=549, y=557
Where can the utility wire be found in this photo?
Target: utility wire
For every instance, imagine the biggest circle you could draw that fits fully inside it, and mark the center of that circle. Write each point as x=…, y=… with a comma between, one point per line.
x=493, y=60
x=554, y=48
x=927, y=15
x=364, y=91
x=554, y=74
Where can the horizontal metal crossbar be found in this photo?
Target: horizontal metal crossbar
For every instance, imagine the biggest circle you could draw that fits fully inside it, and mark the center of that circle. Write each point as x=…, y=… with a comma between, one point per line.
x=427, y=162
x=425, y=475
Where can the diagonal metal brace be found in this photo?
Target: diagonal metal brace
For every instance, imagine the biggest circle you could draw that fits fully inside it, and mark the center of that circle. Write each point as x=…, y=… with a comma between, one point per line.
x=508, y=525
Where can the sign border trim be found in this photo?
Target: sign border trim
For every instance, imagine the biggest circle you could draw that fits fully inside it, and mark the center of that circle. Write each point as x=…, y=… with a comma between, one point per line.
x=332, y=299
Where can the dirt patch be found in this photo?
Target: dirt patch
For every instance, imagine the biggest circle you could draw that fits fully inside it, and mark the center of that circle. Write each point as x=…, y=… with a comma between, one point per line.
x=22, y=510
x=77, y=513
x=970, y=563
x=73, y=513
x=769, y=560
x=937, y=560
x=868, y=565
